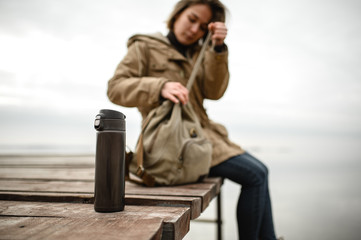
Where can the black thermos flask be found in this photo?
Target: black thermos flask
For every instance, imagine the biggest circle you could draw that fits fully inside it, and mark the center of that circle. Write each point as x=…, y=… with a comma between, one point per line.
x=109, y=161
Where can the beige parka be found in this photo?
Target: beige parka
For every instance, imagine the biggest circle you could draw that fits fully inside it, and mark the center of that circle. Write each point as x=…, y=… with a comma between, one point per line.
x=152, y=61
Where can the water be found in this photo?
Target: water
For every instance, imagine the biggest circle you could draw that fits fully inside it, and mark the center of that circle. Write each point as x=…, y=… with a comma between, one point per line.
x=314, y=184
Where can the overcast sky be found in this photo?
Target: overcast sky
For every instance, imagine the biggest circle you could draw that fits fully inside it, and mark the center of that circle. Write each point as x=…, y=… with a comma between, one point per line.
x=295, y=66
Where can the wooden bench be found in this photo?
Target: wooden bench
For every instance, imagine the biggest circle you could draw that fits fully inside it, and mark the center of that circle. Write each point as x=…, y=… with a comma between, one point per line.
x=54, y=194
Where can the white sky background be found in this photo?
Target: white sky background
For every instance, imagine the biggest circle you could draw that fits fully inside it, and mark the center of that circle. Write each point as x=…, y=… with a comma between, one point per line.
x=295, y=67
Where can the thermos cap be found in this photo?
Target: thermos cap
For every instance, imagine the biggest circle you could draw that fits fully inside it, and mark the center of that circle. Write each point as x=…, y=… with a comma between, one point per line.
x=110, y=114
x=109, y=120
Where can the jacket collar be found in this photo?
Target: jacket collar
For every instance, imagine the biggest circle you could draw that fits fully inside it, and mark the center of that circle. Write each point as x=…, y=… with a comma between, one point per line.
x=159, y=38
x=183, y=49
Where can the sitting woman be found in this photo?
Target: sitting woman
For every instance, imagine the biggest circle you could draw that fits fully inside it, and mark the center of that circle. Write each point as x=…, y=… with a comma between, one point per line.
x=157, y=67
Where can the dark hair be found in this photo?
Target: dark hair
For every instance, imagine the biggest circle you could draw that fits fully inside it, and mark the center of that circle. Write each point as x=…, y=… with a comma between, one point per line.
x=217, y=8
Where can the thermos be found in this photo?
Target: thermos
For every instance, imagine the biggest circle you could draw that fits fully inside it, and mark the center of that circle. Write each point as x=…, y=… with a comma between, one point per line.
x=109, y=161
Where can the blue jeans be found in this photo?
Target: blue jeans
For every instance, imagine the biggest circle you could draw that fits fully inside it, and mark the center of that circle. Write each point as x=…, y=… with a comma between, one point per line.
x=254, y=212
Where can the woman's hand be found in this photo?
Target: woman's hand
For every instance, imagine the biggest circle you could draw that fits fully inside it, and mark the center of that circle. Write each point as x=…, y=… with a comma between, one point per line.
x=175, y=92
x=219, y=31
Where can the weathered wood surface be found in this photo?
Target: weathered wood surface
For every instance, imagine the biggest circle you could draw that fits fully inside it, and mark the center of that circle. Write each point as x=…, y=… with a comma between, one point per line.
x=48, y=173
x=68, y=228
x=43, y=197
x=47, y=160
x=78, y=191
x=205, y=191
x=193, y=203
x=71, y=178
x=34, y=220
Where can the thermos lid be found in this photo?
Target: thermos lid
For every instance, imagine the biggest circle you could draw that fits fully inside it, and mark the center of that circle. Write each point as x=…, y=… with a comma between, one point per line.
x=108, y=119
x=110, y=114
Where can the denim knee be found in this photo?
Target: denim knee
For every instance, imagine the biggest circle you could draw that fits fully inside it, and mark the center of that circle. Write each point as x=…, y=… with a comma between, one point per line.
x=255, y=167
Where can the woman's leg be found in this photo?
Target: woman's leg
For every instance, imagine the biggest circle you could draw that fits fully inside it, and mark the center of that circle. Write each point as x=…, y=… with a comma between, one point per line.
x=254, y=213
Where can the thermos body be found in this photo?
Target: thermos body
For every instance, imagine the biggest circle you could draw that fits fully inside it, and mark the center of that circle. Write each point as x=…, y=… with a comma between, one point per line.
x=109, y=161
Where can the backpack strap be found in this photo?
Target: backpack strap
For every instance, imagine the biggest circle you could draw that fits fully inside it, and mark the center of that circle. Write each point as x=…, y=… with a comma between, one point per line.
x=198, y=62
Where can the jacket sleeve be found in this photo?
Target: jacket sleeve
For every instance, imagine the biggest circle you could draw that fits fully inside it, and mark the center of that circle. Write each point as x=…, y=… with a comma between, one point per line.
x=216, y=75
x=129, y=87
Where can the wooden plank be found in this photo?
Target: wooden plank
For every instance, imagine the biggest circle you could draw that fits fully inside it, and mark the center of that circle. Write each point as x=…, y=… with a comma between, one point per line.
x=47, y=160
x=176, y=220
x=193, y=203
x=205, y=191
x=47, y=197
x=62, y=165
x=218, y=181
x=47, y=186
x=48, y=173
x=19, y=227
x=39, y=174
x=208, y=189
x=71, y=179
x=83, y=192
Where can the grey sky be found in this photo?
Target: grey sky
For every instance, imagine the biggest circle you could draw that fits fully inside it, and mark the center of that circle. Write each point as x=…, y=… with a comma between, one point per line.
x=295, y=66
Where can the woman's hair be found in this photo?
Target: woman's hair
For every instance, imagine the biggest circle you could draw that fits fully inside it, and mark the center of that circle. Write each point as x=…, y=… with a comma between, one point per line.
x=217, y=8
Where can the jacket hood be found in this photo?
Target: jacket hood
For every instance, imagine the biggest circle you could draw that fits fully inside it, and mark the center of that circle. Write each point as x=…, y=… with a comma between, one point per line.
x=159, y=37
